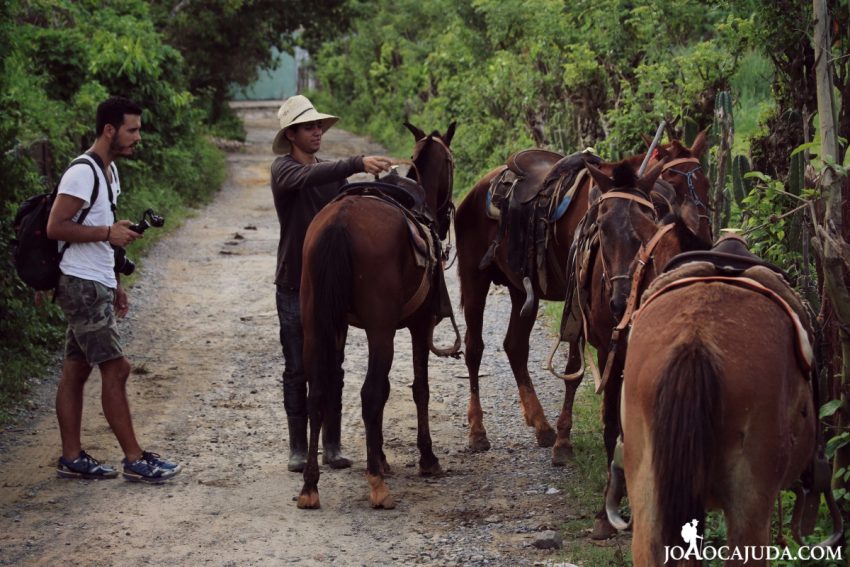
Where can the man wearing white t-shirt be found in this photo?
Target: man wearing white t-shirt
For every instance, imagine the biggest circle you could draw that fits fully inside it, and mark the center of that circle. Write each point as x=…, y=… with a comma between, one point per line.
x=91, y=297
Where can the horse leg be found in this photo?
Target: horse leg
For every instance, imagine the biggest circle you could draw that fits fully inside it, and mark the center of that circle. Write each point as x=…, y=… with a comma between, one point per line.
x=475, y=287
x=647, y=548
x=428, y=462
x=751, y=530
x=373, y=396
x=516, y=347
x=562, y=451
x=309, y=497
x=602, y=528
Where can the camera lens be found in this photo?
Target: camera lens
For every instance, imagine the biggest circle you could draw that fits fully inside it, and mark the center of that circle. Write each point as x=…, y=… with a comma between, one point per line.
x=123, y=265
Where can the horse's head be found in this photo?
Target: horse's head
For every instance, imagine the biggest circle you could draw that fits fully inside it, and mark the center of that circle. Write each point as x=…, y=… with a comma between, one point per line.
x=684, y=172
x=433, y=167
x=625, y=215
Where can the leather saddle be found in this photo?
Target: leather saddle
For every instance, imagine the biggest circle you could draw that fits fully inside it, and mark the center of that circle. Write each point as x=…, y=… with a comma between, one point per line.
x=532, y=168
x=730, y=256
x=403, y=190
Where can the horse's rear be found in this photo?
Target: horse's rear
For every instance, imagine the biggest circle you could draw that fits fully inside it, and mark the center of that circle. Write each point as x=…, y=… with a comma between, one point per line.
x=360, y=268
x=717, y=413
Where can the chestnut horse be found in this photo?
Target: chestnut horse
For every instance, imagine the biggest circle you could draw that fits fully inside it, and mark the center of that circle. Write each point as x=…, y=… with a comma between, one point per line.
x=475, y=231
x=717, y=412
x=622, y=220
x=360, y=268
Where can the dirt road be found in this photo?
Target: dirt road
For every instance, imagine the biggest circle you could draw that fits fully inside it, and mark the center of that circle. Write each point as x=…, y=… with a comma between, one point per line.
x=206, y=390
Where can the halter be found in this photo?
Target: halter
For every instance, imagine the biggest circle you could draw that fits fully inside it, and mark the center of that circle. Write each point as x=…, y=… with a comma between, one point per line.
x=689, y=176
x=628, y=197
x=446, y=207
x=644, y=257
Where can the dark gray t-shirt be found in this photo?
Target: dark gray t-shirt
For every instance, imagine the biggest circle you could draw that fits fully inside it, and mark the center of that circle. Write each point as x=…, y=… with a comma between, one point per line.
x=300, y=191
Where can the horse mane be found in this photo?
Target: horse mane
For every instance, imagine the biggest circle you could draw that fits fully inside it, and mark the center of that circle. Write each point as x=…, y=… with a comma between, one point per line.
x=687, y=239
x=687, y=400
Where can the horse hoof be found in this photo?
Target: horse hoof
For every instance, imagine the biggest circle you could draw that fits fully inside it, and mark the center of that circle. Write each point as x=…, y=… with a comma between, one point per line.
x=379, y=493
x=433, y=469
x=561, y=455
x=602, y=529
x=309, y=500
x=385, y=503
x=479, y=443
x=546, y=437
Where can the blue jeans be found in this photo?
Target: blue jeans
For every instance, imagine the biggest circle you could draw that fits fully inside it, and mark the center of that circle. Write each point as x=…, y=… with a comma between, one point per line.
x=292, y=340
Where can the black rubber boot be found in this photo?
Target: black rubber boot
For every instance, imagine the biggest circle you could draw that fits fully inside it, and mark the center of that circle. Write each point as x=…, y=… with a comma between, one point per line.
x=297, y=444
x=331, y=446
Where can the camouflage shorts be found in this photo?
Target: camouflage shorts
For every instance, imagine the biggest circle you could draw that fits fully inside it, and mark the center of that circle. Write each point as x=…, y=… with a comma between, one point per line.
x=92, y=334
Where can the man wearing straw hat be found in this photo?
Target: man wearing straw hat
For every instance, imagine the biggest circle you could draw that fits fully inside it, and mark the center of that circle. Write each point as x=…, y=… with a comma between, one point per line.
x=301, y=185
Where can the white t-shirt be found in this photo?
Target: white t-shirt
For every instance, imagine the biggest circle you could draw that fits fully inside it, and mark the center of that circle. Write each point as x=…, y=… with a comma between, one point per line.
x=90, y=260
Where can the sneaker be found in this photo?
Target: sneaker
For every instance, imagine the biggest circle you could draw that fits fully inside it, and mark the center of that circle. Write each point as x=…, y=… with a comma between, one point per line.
x=150, y=468
x=155, y=459
x=84, y=466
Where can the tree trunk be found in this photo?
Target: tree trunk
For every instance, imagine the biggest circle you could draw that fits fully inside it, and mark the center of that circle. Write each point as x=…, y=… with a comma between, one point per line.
x=831, y=231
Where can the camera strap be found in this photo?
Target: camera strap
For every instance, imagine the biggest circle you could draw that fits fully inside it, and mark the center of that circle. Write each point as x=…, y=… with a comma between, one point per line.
x=111, y=196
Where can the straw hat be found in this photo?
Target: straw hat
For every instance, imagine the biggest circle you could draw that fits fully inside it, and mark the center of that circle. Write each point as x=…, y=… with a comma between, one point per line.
x=297, y=110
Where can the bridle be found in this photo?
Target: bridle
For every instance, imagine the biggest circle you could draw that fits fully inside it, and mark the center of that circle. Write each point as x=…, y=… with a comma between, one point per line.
x=690, y=179
x=445, y=206
x=642, y=201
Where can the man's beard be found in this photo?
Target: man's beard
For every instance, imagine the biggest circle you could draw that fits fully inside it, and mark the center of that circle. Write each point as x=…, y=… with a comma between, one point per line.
x=119, y=150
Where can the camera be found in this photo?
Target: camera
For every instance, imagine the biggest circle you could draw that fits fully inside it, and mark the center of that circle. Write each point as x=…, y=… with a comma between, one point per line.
x=155, y=220
x=124, y=265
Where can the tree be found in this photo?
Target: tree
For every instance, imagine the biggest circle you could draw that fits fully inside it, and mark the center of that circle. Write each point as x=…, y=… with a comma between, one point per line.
x=228, y=41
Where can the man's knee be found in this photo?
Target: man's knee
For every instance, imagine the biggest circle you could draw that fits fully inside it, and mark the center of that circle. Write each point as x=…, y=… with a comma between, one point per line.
x=75, y=371
x=117, y=369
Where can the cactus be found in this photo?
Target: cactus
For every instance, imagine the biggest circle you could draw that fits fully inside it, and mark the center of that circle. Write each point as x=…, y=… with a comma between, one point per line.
x=723, y=132
x=740, y=185
x=723, y=117
x=796, y=173
x=690, y=129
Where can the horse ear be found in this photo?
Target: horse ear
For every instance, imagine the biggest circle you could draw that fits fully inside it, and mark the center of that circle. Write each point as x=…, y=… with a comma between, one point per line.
x=447, y=138
x=698, y=147
x=663, y=153
x=604, y=182
x=594, y=195
x=647, y=181
x=646, y=140
x=417, y=133
x=689, y=213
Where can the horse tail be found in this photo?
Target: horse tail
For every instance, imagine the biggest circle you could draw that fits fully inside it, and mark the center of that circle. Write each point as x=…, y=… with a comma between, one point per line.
x=331, y=267
x=687, y=403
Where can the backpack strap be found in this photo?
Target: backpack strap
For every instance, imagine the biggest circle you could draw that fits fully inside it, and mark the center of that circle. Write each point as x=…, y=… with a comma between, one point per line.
x=92, y=199
x=99, y=162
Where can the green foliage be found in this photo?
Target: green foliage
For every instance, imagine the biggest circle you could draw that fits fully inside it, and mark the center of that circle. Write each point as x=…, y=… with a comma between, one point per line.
x=518, y=74
x=228, y=41
x=61, y=59
x=764, y=218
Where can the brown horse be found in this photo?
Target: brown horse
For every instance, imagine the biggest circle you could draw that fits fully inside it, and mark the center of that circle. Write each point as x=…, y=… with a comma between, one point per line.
x=623, y=222
x=475, y=231
x=717, y=412
x=360, y=267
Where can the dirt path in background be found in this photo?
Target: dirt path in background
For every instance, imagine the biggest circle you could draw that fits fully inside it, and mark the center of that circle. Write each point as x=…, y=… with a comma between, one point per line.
x=203, y=337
